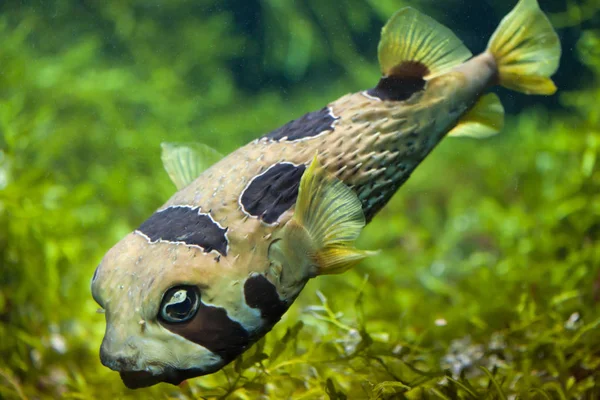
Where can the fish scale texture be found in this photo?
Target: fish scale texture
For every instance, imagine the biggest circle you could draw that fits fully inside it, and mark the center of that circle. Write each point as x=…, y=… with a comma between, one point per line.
x=373, y=147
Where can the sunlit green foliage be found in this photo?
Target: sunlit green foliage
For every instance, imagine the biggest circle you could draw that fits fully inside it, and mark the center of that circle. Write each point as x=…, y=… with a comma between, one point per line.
x=489, y=277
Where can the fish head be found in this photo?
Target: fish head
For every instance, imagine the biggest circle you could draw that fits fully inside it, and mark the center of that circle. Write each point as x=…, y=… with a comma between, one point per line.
x=175, y=312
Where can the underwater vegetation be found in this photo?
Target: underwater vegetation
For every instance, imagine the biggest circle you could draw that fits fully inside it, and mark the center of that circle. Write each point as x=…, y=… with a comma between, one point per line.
x=488, y=280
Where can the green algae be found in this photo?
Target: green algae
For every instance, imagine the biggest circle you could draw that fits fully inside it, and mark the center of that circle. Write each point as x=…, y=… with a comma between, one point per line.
x=487, y=285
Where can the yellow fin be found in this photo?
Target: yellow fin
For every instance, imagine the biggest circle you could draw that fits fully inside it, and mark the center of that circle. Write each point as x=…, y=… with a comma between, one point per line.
x=339, y=258
x=184, y=162
x=485, y=119
x=327, y=220
x=328, y=209
x=526, y=49
x=415, y=44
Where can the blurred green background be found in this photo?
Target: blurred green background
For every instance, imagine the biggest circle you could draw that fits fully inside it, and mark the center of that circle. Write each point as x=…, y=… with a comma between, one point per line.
x=489, y=253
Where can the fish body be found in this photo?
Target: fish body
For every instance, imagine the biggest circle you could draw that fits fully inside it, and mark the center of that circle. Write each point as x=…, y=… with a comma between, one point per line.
x=216, y=267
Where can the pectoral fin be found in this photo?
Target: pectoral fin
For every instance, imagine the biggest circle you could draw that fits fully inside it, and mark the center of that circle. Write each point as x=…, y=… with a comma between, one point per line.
x=340, y=258
x=184, y=162
x=327, y=220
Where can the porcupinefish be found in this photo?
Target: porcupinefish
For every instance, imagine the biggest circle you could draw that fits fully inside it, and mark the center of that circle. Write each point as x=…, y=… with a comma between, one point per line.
x=216, y=267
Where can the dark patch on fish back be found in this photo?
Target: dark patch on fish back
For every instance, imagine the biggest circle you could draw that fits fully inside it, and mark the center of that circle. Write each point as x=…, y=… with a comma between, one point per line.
x=403, y=81
x=262, y=294
x=273, y=192
x=397, y=89
x=214, y=330
x=309, y=125
x=186, y=225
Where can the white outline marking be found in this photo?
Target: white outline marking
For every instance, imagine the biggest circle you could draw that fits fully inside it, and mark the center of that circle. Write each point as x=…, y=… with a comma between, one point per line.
x=368, y=96
x=336, y=119
x=187, y=244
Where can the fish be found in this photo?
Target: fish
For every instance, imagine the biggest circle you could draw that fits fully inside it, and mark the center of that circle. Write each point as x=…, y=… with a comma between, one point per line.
x=217, y=266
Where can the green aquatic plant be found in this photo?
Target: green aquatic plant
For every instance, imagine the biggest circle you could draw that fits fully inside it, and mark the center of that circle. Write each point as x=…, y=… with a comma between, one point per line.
x=489, y=275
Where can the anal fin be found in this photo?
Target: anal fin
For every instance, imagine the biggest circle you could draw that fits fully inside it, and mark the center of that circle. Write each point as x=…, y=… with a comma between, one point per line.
x=485, y=119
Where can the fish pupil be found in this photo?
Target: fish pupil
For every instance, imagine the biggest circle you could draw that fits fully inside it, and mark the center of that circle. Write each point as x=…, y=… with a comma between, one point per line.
x=180, y=304
x=180, y=310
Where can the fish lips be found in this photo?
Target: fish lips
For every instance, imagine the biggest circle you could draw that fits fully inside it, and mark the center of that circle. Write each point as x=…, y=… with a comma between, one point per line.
x=142, y=379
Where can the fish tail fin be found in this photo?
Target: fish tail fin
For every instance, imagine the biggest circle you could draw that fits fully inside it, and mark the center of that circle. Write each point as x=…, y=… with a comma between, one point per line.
x=527, y=50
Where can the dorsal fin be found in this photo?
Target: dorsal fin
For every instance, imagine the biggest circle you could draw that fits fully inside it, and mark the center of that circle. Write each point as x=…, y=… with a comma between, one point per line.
x=415, y=45
x=184, y=162
x=414, y=48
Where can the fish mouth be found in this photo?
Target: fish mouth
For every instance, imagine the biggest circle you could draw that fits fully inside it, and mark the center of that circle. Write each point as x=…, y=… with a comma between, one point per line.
x=142, y=379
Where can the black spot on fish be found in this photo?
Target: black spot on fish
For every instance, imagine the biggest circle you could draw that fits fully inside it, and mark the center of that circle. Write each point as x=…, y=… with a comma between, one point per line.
x=309, y=125
x=273, y=192
x=140, y=379
x=261, y=294
x=397, y=88
x=186, y=225
x=214, y=330
x=402, y=82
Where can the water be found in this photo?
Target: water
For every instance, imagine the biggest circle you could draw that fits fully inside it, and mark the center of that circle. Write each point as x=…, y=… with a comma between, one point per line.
x=487, y=252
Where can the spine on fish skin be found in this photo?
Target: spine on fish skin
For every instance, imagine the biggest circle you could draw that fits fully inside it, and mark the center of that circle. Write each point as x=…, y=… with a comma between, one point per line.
x=526, y=49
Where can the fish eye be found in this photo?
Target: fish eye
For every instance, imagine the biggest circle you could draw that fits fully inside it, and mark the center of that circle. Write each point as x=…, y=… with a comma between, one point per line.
x=179, y=304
